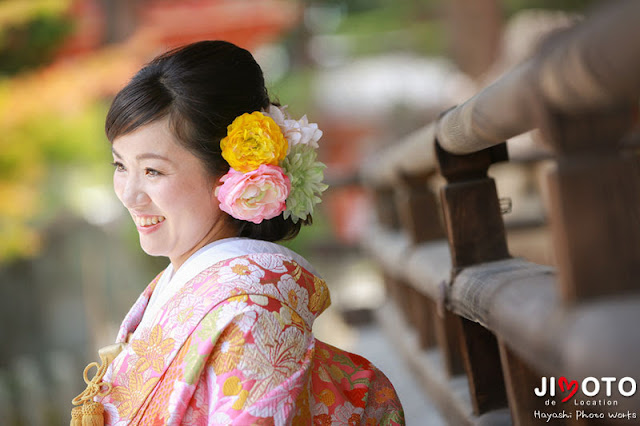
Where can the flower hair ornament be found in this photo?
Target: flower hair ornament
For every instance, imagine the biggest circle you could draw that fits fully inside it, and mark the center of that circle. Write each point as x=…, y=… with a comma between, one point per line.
x=273, y=167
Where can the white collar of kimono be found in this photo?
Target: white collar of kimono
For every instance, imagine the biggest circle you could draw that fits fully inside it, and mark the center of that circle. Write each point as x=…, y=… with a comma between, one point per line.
x=207, y=256
x=229, y=248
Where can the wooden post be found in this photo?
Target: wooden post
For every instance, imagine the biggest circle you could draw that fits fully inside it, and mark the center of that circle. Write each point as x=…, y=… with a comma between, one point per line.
x=418, y=212
x=476, y=234
x=404, y=302
x=481, y=359
x=521, y=381
x=594, y=195
x=418, y=209
x=471, y=207
x=385, y=208
x=424, y=319
x=448, y=334
x=391, y=287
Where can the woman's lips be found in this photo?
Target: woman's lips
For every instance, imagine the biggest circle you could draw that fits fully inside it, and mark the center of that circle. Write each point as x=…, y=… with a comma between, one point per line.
x=148, y=223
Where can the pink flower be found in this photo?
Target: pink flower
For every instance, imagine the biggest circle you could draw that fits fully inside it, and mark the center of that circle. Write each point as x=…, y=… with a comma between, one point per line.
x=256, y=195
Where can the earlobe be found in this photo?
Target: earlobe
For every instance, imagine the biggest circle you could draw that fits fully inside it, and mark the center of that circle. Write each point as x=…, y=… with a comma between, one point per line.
x=216, y=200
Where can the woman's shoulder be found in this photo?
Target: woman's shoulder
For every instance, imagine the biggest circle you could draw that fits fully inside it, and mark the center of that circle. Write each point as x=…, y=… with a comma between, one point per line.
x=231, y=248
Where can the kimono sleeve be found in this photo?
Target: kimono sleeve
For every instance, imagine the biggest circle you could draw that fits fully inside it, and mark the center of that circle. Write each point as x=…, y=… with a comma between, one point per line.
x=257, y=364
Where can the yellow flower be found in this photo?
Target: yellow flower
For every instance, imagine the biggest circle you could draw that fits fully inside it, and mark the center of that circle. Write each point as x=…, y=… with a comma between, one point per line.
x=252, y=140
x=153, y=350
x=228, y=350
x=320, y=299
x=327, y=397
x=232, y=386
x=130, y=397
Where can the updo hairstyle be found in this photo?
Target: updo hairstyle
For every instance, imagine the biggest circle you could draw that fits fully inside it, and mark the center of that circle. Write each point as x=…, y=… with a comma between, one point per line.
x=201, y=88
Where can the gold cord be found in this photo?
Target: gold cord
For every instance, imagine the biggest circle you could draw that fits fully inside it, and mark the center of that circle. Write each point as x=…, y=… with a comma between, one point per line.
x=95, y=387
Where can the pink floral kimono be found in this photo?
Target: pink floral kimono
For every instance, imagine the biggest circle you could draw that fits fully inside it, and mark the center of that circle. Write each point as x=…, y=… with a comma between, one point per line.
x=233, y=345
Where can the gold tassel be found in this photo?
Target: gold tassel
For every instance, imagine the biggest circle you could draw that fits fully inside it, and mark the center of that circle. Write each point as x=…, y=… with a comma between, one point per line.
x=91, y=413
x=76, y=416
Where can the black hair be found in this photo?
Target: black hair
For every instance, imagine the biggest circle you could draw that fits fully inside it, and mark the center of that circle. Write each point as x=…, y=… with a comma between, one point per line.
x=201, y=88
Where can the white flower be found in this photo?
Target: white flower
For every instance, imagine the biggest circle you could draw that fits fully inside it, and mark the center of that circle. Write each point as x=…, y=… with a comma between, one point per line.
x=342, y=414
x=319, y=408
x=187, y=310
x=278, y=114
x=270, y=262
x=237, y=312
x=278, y=352
x=295, y=131
x=259, y=299
x=240, y=271
x=295, y=296
x=302, y=132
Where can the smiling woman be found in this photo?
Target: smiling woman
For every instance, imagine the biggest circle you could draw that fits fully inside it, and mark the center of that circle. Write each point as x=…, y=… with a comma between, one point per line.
x=213, y=174
x=168, y=192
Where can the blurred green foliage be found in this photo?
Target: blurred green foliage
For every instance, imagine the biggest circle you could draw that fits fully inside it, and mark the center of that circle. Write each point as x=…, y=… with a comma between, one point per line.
x=33, y=44
x=311, y=236
x=380, y=26
x=31, y=194
x=41, y=144
x=295, y=91
x=512, y=6
x=30, y=33
x=41, y=147
x=391, y=28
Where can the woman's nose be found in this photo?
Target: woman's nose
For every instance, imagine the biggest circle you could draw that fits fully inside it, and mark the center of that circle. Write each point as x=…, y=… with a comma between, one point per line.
x=133, y=194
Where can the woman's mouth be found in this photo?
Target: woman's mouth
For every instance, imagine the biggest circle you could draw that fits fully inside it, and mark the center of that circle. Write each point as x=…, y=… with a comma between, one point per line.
x=148, y=223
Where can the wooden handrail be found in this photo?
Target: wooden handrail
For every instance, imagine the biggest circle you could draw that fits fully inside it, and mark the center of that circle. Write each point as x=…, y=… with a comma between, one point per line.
x=575, y=72
x=517, y=300
x=493, y=316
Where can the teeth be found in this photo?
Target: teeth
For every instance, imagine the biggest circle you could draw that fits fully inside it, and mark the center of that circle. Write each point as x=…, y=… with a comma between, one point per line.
x=148, y=220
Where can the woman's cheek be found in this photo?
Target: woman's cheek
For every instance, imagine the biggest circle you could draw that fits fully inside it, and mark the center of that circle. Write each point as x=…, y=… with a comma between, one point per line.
x=118, y=185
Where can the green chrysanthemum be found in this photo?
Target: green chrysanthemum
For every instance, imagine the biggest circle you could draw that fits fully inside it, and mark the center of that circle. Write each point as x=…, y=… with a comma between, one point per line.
x=306, y=176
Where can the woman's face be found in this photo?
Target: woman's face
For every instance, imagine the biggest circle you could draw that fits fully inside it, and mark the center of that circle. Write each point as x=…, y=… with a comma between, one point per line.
x=168, y=193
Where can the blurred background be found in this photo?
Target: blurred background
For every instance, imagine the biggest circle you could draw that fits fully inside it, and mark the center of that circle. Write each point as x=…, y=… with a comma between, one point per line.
x=367, y=71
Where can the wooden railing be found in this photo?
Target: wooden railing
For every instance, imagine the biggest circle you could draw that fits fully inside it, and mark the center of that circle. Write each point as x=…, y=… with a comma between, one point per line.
x=483, y=329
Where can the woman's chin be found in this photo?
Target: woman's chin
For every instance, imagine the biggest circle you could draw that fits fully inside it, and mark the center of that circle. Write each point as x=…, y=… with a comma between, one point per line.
x=151, y=250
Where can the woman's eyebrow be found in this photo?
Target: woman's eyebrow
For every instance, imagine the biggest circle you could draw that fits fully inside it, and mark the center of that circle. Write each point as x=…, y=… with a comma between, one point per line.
x=151, y=155
x=144, y=156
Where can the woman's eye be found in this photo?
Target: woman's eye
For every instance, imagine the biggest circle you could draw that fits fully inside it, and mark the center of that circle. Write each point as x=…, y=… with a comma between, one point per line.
x=152, y=172
x=118, y=166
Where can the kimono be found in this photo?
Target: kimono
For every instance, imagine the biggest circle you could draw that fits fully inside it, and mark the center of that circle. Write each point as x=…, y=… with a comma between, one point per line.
x=228, y=341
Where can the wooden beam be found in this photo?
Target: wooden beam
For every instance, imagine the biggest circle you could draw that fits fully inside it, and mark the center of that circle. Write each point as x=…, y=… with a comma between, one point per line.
x=476, y=234
x=418, y=210
x=521, y=380
x=448, y=332
x=482, y=363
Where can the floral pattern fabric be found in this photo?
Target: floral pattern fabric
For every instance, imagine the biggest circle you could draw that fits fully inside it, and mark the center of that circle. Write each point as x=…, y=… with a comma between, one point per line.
x=234, y=346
